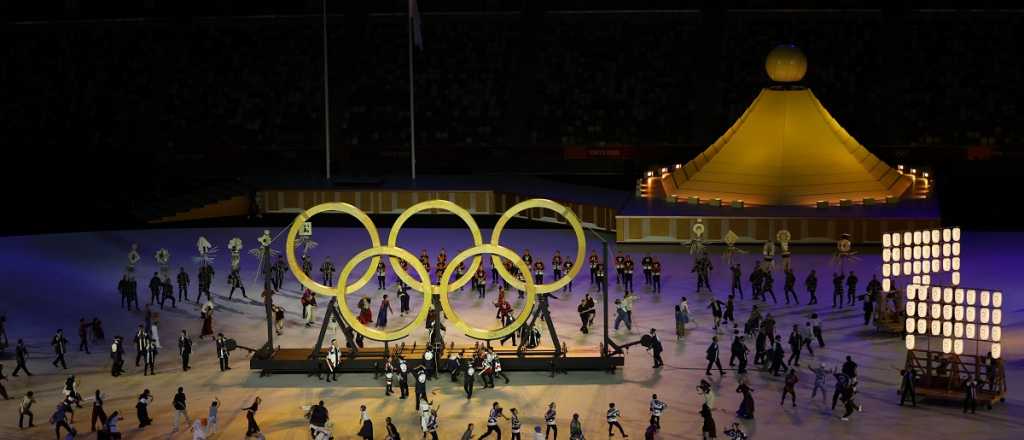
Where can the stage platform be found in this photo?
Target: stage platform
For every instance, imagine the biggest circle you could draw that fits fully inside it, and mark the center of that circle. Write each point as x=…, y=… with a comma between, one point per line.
x=652, y=220
x=368, y=359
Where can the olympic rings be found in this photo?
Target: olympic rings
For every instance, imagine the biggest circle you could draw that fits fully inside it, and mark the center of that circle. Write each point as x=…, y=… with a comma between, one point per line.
x=459, y=211
x=570, y=217
x=424, y=285
x=458, y=322
x=372, y=333
x=343, y=208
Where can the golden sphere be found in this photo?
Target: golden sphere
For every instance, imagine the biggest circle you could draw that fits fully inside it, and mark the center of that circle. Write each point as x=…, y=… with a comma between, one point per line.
x=786, y=63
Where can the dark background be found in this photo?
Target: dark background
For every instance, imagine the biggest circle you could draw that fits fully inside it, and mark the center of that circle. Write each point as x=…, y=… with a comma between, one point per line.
x=112, y=107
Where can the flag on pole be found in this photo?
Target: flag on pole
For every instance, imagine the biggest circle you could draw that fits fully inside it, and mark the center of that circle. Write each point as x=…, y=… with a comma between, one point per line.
x=414, y=16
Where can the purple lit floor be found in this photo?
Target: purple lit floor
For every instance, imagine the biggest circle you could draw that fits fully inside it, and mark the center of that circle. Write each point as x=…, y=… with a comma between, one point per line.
x=51, y=281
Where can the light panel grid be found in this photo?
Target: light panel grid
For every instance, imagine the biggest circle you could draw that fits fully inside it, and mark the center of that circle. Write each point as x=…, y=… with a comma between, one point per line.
x=920, y=255
x=954, y=318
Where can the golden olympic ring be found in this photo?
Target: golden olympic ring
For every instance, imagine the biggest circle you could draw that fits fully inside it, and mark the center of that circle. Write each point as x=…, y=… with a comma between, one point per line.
x=424, y=285
x=343, y=208
x=353, y=321
x=458, y=322
x=445, y=205
x=570, y=217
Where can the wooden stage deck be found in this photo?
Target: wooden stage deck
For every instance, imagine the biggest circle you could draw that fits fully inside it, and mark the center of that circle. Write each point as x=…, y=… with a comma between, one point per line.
x=368, y=359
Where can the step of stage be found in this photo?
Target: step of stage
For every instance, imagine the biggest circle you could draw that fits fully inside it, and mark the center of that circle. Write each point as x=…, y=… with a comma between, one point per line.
x=369, y=359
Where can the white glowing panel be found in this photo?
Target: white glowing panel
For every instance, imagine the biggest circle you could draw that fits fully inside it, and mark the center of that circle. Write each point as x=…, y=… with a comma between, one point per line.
x=958, y=346
x=997, y=334
x=910, y=342
x=922, y=326
x=947, y=345
x=997, y=351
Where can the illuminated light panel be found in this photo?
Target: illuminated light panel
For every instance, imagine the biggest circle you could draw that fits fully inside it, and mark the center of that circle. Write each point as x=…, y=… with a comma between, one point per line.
x=910, y=342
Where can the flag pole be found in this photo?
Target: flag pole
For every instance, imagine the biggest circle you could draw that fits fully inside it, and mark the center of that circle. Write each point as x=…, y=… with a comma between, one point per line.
x=412, y=106
x=327, y=104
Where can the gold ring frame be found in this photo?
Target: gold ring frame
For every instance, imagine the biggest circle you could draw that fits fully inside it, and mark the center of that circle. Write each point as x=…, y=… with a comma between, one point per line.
x=392, y=252
x=445, y=205
x=458, y=322
x=372, y=333
x=343, y=208
x=574, y=223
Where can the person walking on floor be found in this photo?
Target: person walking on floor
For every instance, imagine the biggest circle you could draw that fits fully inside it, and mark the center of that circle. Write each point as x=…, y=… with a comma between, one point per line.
x=811, y=283
x=790, y=387
x=25, y=409
x=21, y=359
x=613, y=420
x=549, y=420
x=252, y=428
x=712, y=357
x=907, y=384
x=492, y=421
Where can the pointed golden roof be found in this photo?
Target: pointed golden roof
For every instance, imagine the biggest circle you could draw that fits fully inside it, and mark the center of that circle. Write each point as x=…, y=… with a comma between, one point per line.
x=786, y=149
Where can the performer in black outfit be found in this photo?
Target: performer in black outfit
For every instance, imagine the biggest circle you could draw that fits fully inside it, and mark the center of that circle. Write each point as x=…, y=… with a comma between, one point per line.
x=250, y=418
x=468, y=380
x=149, y=357
x=837, y=290
x=788, y=289
x=492, y=421
x=656, y=276
x=656, y=349
x=851, y=288
x=712, y=357
x=403, y=378
x=183, y=285
x=60, y=347
x=811, y=283
x=222, y=352
x=736, y=284
x=907, y=384
x=21, y=357
x=117, y=357
x=184, y=349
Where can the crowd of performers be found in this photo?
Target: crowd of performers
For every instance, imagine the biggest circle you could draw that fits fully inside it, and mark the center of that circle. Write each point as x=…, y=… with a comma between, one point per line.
x=479, y=368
